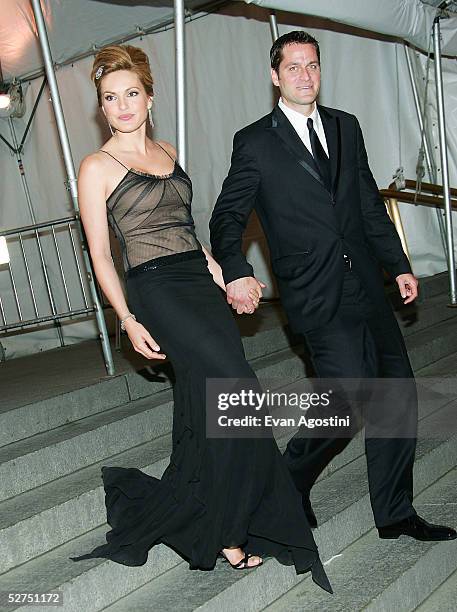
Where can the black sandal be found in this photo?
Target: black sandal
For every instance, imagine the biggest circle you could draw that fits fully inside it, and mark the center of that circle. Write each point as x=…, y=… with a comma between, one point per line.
x=243, y=563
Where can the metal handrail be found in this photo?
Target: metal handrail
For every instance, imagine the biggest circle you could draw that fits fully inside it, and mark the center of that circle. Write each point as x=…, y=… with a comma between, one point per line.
x=36, y=226
x=411, y=198
x=75, y=276
x=433, y=197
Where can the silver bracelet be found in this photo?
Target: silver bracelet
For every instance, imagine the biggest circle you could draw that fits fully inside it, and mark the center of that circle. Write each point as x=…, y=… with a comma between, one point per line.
x=129, y=316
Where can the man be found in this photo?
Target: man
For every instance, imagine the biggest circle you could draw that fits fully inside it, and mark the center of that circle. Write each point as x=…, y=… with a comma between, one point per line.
x=304, y=169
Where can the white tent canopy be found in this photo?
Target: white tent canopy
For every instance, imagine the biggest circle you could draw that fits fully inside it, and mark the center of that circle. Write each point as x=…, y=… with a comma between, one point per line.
x=74, y=28
x=228, y=87
x=409, y=20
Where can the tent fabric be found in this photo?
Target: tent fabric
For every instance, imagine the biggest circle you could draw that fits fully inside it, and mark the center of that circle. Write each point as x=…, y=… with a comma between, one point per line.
x=229, y=86
x=410, y=20
x=74, y=27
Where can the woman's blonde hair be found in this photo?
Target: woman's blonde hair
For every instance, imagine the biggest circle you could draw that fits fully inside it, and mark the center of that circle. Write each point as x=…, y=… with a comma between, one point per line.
x=121, y=57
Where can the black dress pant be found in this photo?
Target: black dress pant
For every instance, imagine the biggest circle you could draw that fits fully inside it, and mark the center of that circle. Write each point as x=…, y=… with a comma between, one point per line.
x=362, y=342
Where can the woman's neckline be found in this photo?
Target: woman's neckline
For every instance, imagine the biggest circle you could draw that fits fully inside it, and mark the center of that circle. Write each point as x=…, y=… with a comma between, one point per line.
x=152, y=175
x=158, y=177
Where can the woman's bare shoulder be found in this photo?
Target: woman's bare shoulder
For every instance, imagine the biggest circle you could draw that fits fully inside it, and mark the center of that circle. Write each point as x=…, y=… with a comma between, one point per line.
x=93, y=161
x=169, y=148
x=95, y=165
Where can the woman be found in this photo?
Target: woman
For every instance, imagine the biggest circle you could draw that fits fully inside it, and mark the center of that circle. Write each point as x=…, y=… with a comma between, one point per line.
x=217, y=496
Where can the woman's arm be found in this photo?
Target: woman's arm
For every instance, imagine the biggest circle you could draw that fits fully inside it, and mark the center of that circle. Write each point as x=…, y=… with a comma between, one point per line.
x=214, y=268
x=91, y=191
x=216, y=273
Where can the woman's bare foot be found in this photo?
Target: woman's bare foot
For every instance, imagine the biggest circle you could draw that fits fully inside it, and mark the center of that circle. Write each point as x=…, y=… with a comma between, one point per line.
x=238, y=559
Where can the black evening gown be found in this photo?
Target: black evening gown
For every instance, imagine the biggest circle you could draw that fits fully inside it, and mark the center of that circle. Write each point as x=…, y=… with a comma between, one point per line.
x=215, y=493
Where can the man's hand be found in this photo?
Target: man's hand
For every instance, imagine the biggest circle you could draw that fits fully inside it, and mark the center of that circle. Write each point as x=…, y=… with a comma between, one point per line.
x=408, y=285
x=244, y=294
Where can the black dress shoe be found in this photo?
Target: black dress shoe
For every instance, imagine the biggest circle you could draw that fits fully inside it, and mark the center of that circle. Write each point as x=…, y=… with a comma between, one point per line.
x=312, y=520
x=417, y=528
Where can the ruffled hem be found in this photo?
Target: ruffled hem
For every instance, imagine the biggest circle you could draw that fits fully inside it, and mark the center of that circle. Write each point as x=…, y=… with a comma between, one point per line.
x=144, y=511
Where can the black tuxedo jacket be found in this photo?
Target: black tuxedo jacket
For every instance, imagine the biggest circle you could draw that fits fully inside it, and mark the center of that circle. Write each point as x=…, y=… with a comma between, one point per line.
x=307, y=226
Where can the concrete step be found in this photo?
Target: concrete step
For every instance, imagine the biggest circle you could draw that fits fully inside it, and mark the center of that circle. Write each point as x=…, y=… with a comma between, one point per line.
x=434, y=285
x=443, y=598
x=384, y=575
x=74, y=377
x=88, y=585
x=45, y=517
x=431, y=344
x=42, y=458
x=57, y=510
x=342, y=507
x=70, y=384
x=341, y=500
x=46, y=456
x=38, y=408
x=388, y=571
x=94, y=398
x=425, y=346
x=49, y=515
x=443, y=367
x=199, y=591
x=430, y=311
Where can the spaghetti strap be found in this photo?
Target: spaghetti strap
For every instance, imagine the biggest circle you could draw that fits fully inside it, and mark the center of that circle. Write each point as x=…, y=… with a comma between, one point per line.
x=165, y=151
x=115, y=158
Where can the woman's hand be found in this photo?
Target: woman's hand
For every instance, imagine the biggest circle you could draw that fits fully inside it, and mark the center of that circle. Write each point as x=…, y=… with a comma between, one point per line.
x=254, y=296
x=142, y=340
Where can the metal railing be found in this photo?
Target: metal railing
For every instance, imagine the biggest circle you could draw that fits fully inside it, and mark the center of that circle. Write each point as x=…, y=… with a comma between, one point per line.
x=43, y=277
x=430, y=195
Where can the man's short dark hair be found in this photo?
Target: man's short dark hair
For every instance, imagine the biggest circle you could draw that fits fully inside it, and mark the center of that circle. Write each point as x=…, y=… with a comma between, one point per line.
x=295, y=37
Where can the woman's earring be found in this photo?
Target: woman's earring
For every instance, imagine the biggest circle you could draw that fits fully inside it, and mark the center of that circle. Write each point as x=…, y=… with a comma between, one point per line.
x=109, y=124
x=150, y=116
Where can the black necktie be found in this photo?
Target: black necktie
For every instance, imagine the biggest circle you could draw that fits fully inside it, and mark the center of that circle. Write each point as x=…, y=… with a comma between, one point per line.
x=320, y=156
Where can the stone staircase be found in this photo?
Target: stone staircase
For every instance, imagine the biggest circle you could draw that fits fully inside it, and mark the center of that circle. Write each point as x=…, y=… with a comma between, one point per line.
x=62, y=419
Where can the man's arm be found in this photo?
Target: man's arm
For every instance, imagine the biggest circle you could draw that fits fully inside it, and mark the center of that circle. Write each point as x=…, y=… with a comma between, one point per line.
x=380, y=231
x=227, y=225
x=381, y=234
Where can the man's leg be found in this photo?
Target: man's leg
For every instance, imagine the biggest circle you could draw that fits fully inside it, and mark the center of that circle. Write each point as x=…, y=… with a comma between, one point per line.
x=360, y=344
x=392, y=456
x=344, y=348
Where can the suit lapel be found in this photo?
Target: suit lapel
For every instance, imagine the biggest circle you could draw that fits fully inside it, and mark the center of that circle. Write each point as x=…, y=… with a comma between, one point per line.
x=332, y=131
x=290, y=140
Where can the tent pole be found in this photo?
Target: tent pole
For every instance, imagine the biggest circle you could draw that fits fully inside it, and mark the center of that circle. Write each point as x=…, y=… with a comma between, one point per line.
x=70, y=169
x=179, y=17
x=431, y=166
x=444, y=160
x=274, y=26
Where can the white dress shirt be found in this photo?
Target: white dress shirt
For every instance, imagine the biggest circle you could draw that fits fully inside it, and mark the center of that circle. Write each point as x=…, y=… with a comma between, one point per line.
x=299, y=123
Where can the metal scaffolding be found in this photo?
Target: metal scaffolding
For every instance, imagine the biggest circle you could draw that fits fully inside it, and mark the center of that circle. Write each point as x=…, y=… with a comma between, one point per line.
x=71, y=175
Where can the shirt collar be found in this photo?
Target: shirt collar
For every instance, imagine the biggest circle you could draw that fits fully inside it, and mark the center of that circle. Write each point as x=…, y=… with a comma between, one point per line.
x=298, y=120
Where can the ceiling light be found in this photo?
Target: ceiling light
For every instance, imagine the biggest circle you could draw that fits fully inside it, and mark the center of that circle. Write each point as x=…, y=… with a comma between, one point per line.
x=4, y=254
x=5, y=100
x=12, y=102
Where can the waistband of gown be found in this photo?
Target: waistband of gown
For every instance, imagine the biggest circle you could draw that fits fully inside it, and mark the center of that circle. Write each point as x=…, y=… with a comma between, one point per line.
x=164, y=260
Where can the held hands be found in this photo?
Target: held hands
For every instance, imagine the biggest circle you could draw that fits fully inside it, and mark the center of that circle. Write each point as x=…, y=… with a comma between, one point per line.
x=408, y=286
x=244, y=294
x=142, y=340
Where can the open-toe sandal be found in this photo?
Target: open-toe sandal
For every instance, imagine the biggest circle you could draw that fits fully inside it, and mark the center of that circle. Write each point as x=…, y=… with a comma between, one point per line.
x=243, y=563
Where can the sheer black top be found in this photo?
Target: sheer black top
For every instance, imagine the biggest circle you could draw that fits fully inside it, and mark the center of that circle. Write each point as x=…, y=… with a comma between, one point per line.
x=151, y=214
